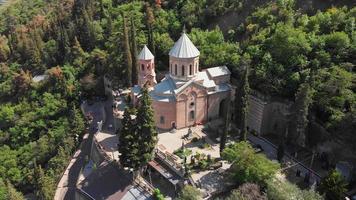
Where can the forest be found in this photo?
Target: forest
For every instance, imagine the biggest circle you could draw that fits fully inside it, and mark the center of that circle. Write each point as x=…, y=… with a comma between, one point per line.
x=75, y=42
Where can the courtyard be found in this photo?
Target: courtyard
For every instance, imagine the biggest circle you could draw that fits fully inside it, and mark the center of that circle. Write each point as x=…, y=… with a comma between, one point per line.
x=202, y=156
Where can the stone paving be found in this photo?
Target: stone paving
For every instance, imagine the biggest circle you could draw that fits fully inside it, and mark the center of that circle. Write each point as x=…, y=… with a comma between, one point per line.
x=106, y=137
x=173, y=141
x=209, y=180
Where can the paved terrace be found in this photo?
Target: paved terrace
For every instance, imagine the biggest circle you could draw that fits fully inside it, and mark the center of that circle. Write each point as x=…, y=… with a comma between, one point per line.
x=209, y=180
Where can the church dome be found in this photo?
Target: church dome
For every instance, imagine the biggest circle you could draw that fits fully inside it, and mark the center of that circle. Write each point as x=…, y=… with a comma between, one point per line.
x=184, y=48
x=145, y=54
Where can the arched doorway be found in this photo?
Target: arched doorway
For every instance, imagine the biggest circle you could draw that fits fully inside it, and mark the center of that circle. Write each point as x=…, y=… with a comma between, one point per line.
x=222, y=108
x=192, y=115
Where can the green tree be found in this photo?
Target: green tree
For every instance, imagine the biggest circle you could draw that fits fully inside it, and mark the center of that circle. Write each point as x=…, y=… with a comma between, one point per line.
x=248, y=191
x=78, y=123
x=127, y=51
x=45, y=185
x=248, y=166
x=134, y=53
x=146, y=126
x=78, y=56
x=242, y=96
x=333, y=186
x=227, y=119
x=149, y=24
x=278, y=190
x=189, y=193
x=129, y=146
x=4, y=49
x=299, y=121
x=12, y=193
x=157, y=195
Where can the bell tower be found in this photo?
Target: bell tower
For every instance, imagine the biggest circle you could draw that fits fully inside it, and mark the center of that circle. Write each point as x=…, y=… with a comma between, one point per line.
x=146, y=68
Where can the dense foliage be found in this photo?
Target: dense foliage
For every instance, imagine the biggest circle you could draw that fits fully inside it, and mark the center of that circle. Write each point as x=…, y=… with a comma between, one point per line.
x=75, y=42
x=333, y=185
x=189, y=193
x=248, y=166
x=278, y=190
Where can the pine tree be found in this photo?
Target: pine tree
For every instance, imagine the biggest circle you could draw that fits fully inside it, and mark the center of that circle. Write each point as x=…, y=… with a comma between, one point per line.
x=129, y=142
x=127, y=52
x=146, y=126
x=134, y=53
x=242, y=103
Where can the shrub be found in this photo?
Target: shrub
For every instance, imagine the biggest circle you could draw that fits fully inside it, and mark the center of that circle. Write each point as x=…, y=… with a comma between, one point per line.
x=157, y=195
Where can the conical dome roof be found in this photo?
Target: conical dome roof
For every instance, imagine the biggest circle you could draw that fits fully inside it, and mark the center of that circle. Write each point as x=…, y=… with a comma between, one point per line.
x=145, y=54
x=184, y=48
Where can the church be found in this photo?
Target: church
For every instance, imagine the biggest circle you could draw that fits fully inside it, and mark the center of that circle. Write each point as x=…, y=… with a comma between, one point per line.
x=186, y=96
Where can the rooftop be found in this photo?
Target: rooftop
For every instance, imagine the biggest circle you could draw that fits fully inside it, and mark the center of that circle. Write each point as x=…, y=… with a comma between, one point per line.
x=145, y=54
x=111, y=183
x=184, y=48
x=218, y=71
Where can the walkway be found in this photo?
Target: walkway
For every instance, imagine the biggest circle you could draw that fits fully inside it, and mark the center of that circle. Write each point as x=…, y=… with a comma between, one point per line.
x=270, y=151
x=66, y=186
x=107, y=137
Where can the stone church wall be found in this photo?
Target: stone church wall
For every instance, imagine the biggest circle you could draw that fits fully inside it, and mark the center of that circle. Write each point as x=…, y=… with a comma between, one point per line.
x=255, y=113
x=266, y=115
x=167, y=110
x=214, y=104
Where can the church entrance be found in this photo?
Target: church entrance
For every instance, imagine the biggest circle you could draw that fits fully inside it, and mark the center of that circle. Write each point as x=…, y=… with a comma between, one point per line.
x=222, y=108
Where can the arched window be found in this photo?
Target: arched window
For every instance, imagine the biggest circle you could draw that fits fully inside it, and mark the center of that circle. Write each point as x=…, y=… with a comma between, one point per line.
x=161, y=120
x=143, y=67
x=175, y=69
x=196, y=67
x=148, y=66
x=183, y=70
x=192, y=115
x=190, y=70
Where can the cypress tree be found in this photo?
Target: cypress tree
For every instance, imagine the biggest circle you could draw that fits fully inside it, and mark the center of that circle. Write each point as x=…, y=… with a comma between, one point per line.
x=146, y=126
x=78, y=55
x=134, y=53
x=62, y=44
x=242, y=102
x=127, y=52
x=149, y=24
x=299, y=120
x=129, y=142
x=226, y=125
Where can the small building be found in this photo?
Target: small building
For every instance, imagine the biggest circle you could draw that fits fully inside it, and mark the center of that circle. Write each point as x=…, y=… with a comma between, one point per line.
x=186, y=95
x=110, y=182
